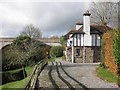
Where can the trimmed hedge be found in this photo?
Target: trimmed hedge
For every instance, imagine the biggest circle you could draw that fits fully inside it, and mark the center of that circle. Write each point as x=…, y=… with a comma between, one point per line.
x=56, y=51
x=116, y=50
x=107, y=51
x=12, y=76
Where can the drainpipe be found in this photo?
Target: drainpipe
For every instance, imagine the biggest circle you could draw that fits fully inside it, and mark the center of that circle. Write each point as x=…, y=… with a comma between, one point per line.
x=72, y=54
x=83, y=50
x=72, y=44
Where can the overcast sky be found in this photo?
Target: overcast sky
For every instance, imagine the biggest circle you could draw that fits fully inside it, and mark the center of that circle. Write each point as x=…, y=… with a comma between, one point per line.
x=53, y=18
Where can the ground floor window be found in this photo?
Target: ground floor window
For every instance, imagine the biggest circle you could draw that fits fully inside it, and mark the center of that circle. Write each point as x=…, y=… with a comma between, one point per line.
x=77, y=52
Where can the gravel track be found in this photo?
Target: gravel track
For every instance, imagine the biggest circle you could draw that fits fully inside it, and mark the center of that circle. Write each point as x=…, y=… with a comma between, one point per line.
x=63, y=74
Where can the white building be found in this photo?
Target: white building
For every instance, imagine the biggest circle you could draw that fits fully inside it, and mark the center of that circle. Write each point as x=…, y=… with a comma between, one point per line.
x=83, y=44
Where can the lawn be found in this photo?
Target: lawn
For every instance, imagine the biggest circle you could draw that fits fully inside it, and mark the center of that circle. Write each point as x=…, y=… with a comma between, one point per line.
x=18, y=84
x=107, y=75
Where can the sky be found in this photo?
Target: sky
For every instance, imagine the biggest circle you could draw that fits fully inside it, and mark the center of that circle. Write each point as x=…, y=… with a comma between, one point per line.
x=52, y=18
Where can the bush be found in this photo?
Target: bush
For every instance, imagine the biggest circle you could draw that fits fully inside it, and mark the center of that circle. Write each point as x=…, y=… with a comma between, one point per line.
x=107, y=51
x=56, y=51
x=24, y=51
x=116, y=50
x=116, y=47
x=12, y=76
x=102, y=65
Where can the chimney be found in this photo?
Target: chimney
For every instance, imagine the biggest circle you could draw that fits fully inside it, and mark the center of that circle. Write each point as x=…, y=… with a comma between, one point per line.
x=86, y=22
x=79, y=25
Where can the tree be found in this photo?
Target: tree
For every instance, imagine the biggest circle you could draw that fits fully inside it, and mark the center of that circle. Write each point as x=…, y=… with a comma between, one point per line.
x=32, y=31
x=62, y=40
x=104, y=12
x=24, y=51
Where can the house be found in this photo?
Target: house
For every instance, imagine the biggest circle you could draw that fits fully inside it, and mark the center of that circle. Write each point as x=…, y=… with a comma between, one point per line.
x=84, y=43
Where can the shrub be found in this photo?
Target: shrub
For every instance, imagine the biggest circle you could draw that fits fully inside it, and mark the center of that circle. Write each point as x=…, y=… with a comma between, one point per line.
x=24, y=51
x=107, y=51
x=102, y=65
x=12, y=76
x=56, y=51
x=116, y=47
x=116, y=50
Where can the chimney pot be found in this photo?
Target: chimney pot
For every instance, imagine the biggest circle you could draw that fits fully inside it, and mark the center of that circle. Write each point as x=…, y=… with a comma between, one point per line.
x=87, y=13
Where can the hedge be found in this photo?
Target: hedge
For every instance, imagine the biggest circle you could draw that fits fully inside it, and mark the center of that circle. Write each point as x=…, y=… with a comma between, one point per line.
x=107, y=51
x=56, y=51
x=12, y=76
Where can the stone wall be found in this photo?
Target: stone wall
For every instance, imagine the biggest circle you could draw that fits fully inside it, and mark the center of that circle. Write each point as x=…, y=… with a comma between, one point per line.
x=92, y=54
x=68, y=54
x=78, y=58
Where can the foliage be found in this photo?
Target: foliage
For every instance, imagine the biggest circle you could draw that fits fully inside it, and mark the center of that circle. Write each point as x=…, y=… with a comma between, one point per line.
x=51, y=60
x=62, y=40
x=32, y=31
x=107, y=75
x=23, y=51
x=107, y=51
x=102, y=65
x=116, y=50
x=102, y=12
x=12, y=76
x=18, y=84
x=56, y=51
x=116, y=47
x=102, y=50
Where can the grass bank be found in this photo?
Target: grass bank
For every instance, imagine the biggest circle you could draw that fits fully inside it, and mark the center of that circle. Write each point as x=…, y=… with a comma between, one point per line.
x=51, y=59
x=18, y=84
x=107, y=75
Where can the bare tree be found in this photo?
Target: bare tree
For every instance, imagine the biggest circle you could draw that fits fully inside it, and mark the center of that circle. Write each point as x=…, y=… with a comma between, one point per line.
x=32, y=31
x=104, y=12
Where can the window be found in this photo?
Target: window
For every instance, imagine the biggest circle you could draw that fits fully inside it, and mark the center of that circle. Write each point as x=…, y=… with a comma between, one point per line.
x=95, y=40
x=77, y=52
x=77, y=39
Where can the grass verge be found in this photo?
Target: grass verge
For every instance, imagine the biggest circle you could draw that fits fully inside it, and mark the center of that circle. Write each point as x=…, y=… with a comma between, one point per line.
x=51, y=59
x=18, y=84
x=107, y=75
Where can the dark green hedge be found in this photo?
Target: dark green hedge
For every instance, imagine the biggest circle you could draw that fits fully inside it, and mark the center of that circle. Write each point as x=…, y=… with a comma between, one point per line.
x=56, y=51
x=116, y=50
x=12, y=76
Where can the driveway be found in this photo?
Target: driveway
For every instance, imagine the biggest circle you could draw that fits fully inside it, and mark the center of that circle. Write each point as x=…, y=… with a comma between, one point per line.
x=63, y=74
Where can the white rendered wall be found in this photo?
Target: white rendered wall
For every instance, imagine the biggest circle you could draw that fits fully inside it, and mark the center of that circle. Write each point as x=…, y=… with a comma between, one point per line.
x=78, y=27
x=82, y=40
x=75, y=40
x=78, y=39
x=87, y=40
x=68, y=42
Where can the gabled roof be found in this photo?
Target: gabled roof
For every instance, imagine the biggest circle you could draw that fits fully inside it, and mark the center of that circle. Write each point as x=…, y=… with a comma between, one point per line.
x=94, y=29
x=100, y=28
x=73, y=32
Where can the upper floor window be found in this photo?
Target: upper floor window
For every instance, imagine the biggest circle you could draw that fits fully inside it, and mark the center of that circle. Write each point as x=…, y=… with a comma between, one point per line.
x=95, y=40
x=77, y=40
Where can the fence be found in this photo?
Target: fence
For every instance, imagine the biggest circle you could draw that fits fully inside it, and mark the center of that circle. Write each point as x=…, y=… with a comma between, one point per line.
x=33, y=78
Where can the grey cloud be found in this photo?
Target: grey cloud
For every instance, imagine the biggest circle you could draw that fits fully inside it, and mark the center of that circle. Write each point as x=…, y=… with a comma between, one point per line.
x=53, y=18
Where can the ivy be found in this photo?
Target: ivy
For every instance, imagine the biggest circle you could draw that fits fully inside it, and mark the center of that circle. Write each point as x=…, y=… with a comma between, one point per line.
x=116, y=47
x=116, y=51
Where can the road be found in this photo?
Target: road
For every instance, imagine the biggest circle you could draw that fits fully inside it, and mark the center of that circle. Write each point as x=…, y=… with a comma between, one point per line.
x=62, y=74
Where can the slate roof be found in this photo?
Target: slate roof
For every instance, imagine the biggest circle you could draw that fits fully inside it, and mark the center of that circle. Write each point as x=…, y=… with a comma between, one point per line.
x=94, y=29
